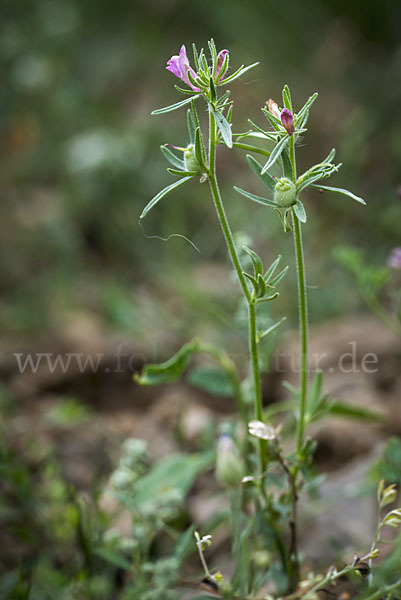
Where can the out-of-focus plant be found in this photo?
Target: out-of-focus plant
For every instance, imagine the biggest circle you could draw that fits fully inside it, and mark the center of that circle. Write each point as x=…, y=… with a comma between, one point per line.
x=379, y=285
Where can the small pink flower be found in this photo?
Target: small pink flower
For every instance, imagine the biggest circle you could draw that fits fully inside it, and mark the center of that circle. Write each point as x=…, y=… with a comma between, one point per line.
x=394, y=260
x=287, y=120
x=179, y=66
x=220, y=61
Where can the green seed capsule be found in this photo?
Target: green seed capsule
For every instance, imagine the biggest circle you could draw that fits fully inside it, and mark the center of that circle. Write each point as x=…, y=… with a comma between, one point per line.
x=190, y=160
x=285, y=193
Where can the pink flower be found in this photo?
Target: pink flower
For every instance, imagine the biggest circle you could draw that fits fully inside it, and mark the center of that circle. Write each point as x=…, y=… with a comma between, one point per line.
x=287, y=120
x=220, y=61
x=179, y=66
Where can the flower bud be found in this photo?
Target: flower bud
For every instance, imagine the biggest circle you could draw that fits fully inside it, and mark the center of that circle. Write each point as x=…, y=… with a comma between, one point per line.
x=287, y=120
x=229, y=466
x=190, y=160
x=220, y=61
x=285, y=193
x=394, y=260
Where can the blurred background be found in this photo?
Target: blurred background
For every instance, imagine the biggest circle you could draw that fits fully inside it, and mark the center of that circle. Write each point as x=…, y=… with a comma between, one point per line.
x=80, y=159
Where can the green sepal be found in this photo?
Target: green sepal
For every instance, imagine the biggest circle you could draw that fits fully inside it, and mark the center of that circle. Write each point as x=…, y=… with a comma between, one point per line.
x=199, y=148
x=170, y=370
x=213, y=54
x=172, y=158
x=340, y=191
x=213, y=94
x=257, y=169
x=299, y=210
x=252, y=280
x=262, y=287
x=161, y=195
x=167, y=109
x=255, y=198
x=276, y=152
x=287, y=98
x=256, y=261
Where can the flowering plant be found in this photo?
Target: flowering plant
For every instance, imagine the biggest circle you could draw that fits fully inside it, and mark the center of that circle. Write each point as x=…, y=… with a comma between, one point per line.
x=263, y=478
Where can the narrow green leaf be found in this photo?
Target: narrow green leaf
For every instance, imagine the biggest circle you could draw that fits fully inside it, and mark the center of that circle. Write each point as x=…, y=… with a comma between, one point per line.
x=170, y=370
x=114, y=558
x=224, y=127
x=341, y=409
x=279, y=277
x=213, y=94
x=262, y=288
x=191, y=126
x=257, y=263
x=285, y=160
x=276, y=152
x=161, y=195
x=314, y=394
x=269, y=330
x=213, y=54
x=167, y=109
x=270, y=271
x=185, y=90
x=299, y=210
x=330, y=157
x=287, y=98
x=252, y=280
x=179, y=173
x=185, y=546
x=196, y=57
x=340, y=191
x=257, y=169
x=251, y=148
x=172, y=158
x=237, y=73
x=305, y=108
x=199, y=148
x=275, y=123
x=255, y=198
x=268, y=298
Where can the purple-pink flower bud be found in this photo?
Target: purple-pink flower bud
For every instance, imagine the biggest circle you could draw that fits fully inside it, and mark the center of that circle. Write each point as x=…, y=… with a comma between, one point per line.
x=179, y=66
x=287, y=120
x=394, y=260
x=220, y=61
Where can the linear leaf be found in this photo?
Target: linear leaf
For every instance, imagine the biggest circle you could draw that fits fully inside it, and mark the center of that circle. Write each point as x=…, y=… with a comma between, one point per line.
x=257, y=168
x=191, y=125
x=257, y=263
x=340, y=191
x=167, y=109
x=161, y=194
x=238, y=73
x=269, y=330
x=287, y=98
x=276, y=152
x=279, y=277
x=270, y=271
x=299, y=210
x=180, y=173
x=170, y=370
x=172, y=158
x=305, y=108
x=255, y=198
x=224, y=127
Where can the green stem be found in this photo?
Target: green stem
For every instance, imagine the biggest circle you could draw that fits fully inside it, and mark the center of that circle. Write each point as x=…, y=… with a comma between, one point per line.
x=303, y=329
x=238, y=269
x=303, y=310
